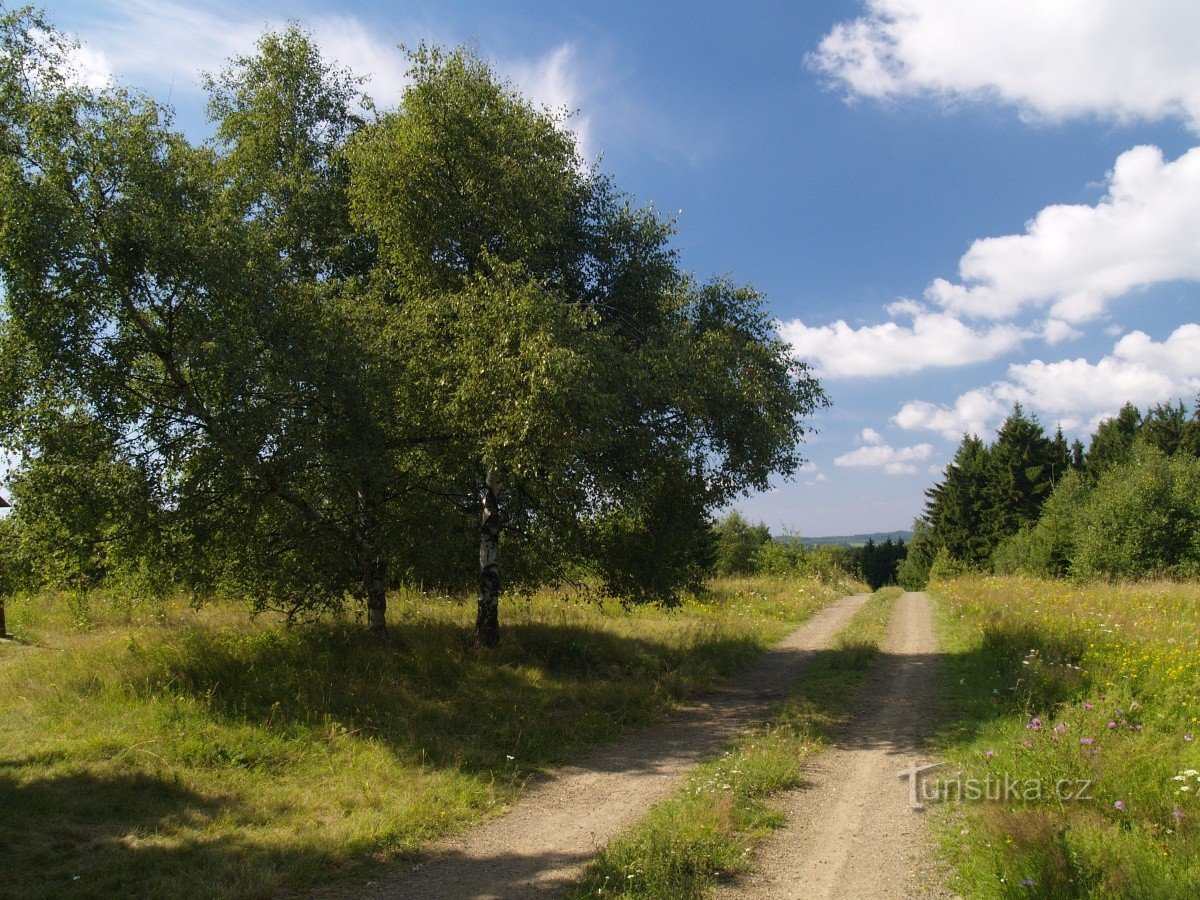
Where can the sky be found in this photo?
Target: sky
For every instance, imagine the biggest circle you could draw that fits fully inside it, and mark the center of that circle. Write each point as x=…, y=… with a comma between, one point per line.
x=949, y=205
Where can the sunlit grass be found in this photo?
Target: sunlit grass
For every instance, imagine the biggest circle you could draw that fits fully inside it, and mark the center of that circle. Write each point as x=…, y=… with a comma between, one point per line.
x=159, y=750
x=1080, y=684
x=708, y=829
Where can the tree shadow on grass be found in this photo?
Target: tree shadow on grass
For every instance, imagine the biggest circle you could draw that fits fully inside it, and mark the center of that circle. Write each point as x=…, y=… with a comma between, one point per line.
x=84, y=834
x=436, y=700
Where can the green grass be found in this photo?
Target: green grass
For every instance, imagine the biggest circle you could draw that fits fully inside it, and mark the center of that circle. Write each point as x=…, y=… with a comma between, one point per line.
x=1099, y=684
x=707, y=830
x=159, y=750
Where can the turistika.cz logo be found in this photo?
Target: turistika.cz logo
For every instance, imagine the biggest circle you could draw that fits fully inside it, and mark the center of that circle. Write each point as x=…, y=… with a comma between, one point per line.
x=996, y=787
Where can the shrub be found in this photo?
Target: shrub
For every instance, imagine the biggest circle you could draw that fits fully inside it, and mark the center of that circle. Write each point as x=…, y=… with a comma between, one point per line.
x=1142, y=519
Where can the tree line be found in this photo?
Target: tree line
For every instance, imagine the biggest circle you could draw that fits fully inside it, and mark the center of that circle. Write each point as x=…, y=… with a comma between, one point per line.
x=1126, y=506
x=742, y=548
x=333, y=347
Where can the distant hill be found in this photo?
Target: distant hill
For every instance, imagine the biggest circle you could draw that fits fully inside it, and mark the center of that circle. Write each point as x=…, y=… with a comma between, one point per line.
x=848, y=540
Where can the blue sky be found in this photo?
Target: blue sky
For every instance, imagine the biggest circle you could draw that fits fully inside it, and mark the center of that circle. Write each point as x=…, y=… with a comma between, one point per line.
x=950, y=204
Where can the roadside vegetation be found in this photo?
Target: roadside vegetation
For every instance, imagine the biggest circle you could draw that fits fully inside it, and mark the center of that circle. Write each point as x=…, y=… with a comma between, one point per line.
x=160, y=750
x=707, y=831
x=741, y=548
x=1126, y=507
x=1092, y=686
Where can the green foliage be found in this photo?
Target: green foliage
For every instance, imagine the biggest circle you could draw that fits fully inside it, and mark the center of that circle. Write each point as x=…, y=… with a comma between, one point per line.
x=321, y=344
x=1034, y=505
x=1143, y=519
x=959, y=510
x=1113, y=441
x=913, y=571
x=879, y=564
x=782, y=558
x=736, y=543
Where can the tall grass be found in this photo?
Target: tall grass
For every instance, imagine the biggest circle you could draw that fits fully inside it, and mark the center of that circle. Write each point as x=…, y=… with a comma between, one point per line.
x=160, y=750
x=708, y=829
x=1096, y=685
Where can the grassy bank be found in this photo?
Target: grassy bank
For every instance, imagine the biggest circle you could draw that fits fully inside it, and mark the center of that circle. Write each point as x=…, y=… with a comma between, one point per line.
x=1094, y=688
x=158, y=750
x=708, y=829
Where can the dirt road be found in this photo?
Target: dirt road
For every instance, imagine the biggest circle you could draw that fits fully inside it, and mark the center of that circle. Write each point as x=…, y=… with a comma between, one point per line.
x=850, y=831
x=542, y=845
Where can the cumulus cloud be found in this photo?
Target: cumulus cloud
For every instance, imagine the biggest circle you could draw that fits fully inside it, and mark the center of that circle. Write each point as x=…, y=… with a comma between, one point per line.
x=1075, y=258
x=933, y=339
x=876, y=453
x=1075, y=392
x=1115, y=59
x=972, y=413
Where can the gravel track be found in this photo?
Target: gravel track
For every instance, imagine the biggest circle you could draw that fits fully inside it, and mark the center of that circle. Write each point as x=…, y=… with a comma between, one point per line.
x=543, y=844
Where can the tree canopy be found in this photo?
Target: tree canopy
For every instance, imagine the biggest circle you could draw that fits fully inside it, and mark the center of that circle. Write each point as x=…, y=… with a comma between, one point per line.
x=331, y=348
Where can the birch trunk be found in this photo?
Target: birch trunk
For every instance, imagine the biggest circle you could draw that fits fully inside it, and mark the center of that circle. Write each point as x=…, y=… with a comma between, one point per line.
x=375, y=585
x=487, y=622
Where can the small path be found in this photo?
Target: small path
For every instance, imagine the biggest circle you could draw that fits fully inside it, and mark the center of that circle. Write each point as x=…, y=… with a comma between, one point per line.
x=541, y=846
x=850, y=831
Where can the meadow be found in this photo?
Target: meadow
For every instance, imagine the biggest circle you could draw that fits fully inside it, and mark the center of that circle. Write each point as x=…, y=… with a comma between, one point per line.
x=178, y=749
x=1095, y=687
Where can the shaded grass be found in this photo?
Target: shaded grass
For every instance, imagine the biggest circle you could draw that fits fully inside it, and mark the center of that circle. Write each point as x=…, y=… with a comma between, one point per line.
x=157, y=750
x=707, y=830
x=1052, y=682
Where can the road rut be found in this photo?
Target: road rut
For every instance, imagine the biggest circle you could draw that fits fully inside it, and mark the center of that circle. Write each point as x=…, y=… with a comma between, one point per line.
x=543, y=844
x=850, y=830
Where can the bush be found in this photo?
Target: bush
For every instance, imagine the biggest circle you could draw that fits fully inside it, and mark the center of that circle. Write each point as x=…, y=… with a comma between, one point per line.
x=775, y=558
x=946, y=566
x=1142, y=519
x=1048, y=548
x=737, y=542
x=913, y=572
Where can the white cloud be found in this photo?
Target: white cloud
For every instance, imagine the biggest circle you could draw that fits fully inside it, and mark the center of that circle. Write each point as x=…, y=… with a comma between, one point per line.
x=972, y=413
x=1074, y=392
x=160, y=41
x=1145, y=231
x=933, y=339
x=877, y=454
x=871, y=436
x=554, y=81
x=1055, y=331
x=1116, y=59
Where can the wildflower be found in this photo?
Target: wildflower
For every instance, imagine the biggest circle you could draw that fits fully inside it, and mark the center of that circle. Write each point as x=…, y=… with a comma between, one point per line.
x=1087, y=741
x=990, y=753
x=1034, y=724
x=1112, y=724
x=1120, y=804
x=1060, y=727
x=1028, y=883
x=1179, y=814
x=1087, y=705
x=1188, y=737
